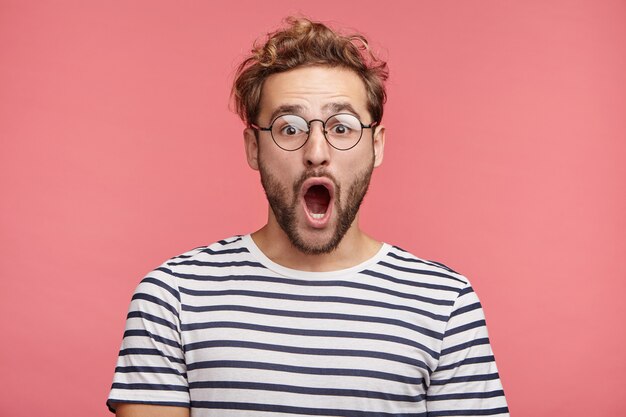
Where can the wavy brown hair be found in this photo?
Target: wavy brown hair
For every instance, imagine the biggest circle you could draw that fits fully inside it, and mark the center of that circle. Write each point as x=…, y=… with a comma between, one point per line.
x=306, y=43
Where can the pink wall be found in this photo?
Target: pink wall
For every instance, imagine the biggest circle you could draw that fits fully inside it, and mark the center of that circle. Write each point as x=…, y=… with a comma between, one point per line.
x=505, y=159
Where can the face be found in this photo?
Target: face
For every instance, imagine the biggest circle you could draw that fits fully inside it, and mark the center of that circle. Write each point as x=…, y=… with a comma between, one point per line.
x=314, y=192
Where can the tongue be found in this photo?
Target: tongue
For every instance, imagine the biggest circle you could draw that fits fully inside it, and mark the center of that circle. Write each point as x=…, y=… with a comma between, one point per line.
x=317, y=199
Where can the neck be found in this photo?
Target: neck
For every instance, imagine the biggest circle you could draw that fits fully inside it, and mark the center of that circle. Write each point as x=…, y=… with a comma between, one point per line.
x=355, y=247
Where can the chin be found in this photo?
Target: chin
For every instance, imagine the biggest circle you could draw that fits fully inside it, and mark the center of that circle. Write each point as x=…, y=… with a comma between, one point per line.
x=316, y=242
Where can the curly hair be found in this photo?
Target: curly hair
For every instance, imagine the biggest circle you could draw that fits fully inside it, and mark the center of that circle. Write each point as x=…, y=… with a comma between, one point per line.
x=307, y=43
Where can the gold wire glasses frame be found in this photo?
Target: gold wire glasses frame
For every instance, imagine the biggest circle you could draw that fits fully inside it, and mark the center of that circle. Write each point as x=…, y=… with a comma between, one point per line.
x=343, y=131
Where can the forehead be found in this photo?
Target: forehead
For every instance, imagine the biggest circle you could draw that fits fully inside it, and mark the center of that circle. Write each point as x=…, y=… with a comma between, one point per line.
x=315, y=91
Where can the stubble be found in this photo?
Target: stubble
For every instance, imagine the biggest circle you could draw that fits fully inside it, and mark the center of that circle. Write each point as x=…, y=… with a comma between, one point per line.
x=285, y=211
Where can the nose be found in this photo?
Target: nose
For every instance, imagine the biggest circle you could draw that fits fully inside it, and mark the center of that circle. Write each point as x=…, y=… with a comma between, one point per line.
x=316, y=150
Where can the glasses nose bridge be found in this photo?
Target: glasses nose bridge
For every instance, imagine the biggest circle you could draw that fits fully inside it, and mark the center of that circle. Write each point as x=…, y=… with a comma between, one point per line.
x=310, y=122
x=323, y=123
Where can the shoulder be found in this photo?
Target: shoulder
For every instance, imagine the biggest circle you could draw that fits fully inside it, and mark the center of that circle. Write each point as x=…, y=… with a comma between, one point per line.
x=229, y=249
x=166, y=277
x=419, y=269
x=434, y=278
x=224, y=248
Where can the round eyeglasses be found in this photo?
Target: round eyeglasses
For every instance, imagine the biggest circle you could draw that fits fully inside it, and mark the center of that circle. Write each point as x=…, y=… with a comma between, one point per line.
x=290, y=132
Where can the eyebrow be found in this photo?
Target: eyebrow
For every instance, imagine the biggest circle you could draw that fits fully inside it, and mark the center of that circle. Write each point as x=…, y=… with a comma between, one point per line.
x=341, y=107
x=286, y=109
x=298, y=109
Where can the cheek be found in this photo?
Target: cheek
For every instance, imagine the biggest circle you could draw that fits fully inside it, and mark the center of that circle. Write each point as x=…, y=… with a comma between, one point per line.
x=356, y=162
x=270, y=164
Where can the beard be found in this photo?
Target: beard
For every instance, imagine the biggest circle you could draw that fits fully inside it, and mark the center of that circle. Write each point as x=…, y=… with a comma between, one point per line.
x=285, y=211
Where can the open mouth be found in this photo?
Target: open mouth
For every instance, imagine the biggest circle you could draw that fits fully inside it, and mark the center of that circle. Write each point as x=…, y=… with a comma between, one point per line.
x=317, y=198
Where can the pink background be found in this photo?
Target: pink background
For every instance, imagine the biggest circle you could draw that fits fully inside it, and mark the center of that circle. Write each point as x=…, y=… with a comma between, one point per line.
x=506, y=142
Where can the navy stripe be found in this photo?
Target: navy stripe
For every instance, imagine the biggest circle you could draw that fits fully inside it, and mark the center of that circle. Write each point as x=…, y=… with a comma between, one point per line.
x=155, y=300
x=305, y=370
x=421, y=261
x=466, y=395
x=306, y=351
x=314, y=333
x=422, y=272
x=192, y=252
x=161, y=284
x=296, y=410
x=409, y=283
x=152, y=318
x=466, y=290
x=154, y=352
x=334, y=392
x=307, y=283
x=439, y=264
x=465, y=327
x=225, y=242
x=465, y=378
x=316, y=315
x=174, y=259
x=207, y=250
x=475, y=342
x=150, y=387
x=466, y=309
x=467, y=361
x=482, y=412
x=220, y=264
x=225, y=251
x=311, y=298
x=145, y=333
x=150, y=369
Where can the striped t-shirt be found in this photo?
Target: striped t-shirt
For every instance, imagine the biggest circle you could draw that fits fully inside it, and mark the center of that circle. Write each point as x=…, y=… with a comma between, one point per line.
x=227, y=332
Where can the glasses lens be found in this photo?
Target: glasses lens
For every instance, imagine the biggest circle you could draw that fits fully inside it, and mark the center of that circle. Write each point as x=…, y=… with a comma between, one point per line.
x=343, y=131
x=290, y=131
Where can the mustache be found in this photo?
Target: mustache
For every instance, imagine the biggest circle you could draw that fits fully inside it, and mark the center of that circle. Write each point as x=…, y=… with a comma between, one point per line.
x=314, y=174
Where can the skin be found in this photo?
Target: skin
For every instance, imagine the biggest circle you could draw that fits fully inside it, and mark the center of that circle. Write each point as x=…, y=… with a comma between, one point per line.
x=314, y=89
x=311, y=88
x=146, y=410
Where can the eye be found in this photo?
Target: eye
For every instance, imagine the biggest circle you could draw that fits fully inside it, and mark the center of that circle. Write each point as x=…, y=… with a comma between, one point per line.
x=343, y=126
x=340, y=129
x=290, y=125
x=290, y=130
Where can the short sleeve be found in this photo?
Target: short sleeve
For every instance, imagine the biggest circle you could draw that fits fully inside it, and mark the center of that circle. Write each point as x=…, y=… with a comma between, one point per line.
x=466, y=380
x=151, y=366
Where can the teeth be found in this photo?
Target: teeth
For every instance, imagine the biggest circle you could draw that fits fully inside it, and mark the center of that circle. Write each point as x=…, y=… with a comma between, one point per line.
x=317, y=215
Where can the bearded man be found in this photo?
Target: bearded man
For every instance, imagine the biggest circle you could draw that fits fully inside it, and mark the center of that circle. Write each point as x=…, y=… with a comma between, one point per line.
x=308, y=315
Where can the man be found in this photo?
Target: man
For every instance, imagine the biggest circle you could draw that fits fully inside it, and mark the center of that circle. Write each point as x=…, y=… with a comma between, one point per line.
x=308, y=315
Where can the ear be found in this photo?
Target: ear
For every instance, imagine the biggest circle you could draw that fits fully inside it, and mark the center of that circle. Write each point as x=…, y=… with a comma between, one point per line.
x=379, y=145
x=252, y=148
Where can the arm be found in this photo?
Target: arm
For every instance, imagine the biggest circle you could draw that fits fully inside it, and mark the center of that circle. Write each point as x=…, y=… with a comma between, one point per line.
x=466, y=379
x=151, y=369
x=145, y=410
